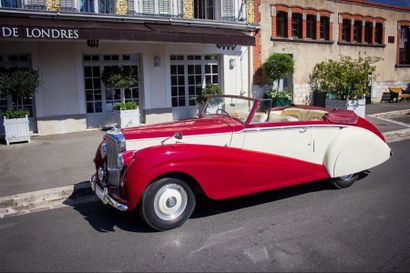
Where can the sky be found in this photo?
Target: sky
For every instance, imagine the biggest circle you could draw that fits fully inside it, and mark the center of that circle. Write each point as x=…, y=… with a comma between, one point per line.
x=401, y=3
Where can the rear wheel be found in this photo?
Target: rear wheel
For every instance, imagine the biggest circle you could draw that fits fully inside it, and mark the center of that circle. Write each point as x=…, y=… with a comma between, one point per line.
x=167, y=203
x=344, y=181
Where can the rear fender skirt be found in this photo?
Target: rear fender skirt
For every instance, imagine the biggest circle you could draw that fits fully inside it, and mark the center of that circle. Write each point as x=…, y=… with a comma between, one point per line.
x=354, y=150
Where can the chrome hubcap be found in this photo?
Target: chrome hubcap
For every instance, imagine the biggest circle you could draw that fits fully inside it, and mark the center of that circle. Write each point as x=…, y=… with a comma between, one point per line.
x=346, y=177
x=170, y=202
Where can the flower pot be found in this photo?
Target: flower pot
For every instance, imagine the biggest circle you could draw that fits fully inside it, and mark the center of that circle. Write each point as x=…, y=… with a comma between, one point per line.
x=319, y=99
x=127, y=118
x=16, y=129
x=280, y=102
x=357, y=106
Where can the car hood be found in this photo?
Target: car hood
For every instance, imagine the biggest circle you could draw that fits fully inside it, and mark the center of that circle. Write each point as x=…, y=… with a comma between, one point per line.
x=214, y=124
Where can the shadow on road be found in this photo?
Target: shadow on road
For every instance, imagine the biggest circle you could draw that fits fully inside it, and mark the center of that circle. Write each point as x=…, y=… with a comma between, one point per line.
x=104, y=218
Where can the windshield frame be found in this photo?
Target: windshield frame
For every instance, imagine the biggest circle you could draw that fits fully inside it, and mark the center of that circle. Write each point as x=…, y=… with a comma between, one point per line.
x=251, y=112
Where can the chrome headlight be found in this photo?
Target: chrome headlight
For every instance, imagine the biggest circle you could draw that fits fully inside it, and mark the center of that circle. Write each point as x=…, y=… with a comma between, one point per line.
x=120, y=161
x=103, y=150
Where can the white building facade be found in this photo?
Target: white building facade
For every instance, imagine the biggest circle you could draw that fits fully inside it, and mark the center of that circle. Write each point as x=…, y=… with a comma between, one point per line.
x=173, y=48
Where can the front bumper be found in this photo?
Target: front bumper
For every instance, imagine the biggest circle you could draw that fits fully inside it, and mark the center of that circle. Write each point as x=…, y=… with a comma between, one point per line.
x=104, y=196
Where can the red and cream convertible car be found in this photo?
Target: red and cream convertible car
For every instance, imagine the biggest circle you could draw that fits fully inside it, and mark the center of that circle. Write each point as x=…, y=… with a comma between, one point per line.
x=238, y=146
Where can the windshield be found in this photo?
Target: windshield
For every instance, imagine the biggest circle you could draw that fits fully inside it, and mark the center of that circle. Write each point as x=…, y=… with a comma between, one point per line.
x=238, y=108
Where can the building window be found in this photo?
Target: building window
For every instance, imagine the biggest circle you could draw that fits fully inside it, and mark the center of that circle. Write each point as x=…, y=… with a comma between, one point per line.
x=346, y=30
x=105, y=6
x=100, y=98
x=297, y=25
x=282, y=24
x=357, y=31
x=379, y=33
x=87, y=5
x=404, y=45
x=204, y=9
x=368, y=32
x=9, y=4
x=311, y=26
x=324, y=28
x=189, y=75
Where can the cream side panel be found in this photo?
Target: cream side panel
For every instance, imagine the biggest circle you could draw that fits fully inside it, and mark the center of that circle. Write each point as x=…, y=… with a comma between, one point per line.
x=211, y=139
x=355, y=150
x=293, y=142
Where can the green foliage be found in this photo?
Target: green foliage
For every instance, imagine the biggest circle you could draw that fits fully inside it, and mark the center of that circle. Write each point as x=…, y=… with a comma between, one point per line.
x=346, y=78
x=15, y=113
x=208, y=91
x=278, y=66
x=129, y=105
x=277, y=94
x=19, y=82
x=118, y=77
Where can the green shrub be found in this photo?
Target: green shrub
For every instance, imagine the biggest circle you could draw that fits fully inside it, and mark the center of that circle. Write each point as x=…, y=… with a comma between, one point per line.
x=209, y=90
x=15, y=113
x=277, y=94
x=129, y=105
x=345, y=78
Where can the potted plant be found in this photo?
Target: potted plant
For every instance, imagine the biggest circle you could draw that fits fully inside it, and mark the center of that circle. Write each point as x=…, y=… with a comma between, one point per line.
x=126, y=113
x=345, y=82
x=209, y=90
x=279, y=98
x=278, y=66
x=20, y=83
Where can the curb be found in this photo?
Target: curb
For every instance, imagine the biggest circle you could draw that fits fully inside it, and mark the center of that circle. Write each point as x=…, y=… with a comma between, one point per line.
x=41, y=200
x=397, y=135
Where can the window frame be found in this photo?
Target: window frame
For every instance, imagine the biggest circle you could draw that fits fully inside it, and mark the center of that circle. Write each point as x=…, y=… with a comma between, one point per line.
x=378, y=33
x=282, y=24
x=102, y=61
x=325, y=28
x=297, y=25
x=186, y=62
x=311, y=26
x=347, y=30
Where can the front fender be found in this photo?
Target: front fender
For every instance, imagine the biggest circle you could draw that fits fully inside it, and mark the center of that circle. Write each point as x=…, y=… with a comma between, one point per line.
x=354, y=150
x=217, y=169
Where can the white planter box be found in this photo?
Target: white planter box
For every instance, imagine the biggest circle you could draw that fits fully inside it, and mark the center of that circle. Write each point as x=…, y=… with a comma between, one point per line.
x=357, y=106
x=127, y=118
x=16, y=129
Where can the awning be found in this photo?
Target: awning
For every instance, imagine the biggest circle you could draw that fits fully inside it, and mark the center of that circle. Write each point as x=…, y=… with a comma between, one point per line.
x=51, y=28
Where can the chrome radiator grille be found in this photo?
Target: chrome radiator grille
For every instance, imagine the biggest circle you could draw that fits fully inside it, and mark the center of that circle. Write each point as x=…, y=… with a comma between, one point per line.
x=113, y=170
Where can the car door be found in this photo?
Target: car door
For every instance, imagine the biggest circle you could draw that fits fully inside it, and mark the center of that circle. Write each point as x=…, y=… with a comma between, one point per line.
x=276, y=157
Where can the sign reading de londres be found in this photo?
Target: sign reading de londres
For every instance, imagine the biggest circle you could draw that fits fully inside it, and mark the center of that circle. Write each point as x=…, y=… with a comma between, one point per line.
x=39, y=33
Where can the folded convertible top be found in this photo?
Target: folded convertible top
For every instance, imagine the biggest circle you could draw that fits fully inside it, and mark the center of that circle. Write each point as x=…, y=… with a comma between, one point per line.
x=342, y=116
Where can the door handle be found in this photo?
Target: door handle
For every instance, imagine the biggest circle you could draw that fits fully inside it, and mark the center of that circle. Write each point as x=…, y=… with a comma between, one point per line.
x=302, y=130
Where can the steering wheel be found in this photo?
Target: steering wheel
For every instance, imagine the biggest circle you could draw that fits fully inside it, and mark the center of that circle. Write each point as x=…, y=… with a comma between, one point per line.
x=221, y=111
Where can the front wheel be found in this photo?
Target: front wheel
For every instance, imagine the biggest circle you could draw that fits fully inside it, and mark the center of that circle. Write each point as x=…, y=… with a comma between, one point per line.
x=167, y=203
x=344, y=181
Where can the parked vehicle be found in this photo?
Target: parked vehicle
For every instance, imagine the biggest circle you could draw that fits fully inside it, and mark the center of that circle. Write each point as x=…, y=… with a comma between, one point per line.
x=237, y=146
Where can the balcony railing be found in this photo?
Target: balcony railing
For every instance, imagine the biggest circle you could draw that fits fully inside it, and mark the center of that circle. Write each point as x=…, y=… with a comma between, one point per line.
x=218, y=10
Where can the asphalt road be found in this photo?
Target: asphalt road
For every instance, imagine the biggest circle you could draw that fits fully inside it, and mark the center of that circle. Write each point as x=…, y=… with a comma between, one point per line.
x=305, y=228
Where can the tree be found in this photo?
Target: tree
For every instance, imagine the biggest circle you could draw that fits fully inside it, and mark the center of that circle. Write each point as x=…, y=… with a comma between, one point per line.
x=278, y=66
x=19, y=82
x=119, y=78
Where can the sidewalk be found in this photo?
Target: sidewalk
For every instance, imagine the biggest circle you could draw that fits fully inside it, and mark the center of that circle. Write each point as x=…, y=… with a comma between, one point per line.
x=54, y=170
x=48, y=162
